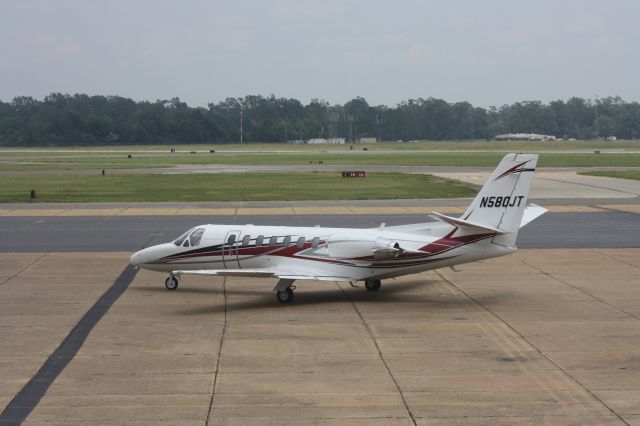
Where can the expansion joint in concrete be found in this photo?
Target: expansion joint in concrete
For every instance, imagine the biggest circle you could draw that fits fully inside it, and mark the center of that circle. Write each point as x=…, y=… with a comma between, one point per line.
x=384, y=361
x=581, y=290
x=216, y=372
x=36, y=260
x=32, y=392
x=619, y=260
x=528, y=342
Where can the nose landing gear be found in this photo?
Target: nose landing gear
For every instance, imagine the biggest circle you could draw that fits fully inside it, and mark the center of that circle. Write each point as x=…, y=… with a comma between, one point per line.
x=171, y=283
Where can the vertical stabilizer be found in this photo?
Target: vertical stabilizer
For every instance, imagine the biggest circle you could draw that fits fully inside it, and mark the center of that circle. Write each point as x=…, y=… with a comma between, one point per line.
x=503, y=198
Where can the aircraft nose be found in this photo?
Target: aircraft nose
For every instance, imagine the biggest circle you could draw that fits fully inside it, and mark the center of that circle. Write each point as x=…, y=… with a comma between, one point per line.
x=149, y=254
x=136, y=258
x=141, y=256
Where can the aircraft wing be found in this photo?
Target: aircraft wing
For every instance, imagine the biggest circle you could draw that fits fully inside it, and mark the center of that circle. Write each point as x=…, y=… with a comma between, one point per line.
x=266, y=273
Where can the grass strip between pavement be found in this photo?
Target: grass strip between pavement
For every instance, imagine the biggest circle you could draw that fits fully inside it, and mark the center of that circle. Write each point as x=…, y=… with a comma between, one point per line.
x=227, y=187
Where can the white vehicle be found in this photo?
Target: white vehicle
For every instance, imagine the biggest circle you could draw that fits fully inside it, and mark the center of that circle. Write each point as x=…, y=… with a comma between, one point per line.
x=487, y=229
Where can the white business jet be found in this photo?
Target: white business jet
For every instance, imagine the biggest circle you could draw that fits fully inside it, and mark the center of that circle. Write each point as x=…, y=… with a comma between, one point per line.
x=487, y=229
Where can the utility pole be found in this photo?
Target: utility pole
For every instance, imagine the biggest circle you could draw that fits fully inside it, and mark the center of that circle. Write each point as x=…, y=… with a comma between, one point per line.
x=597, y=135
x=379, y=121
x=241, y=135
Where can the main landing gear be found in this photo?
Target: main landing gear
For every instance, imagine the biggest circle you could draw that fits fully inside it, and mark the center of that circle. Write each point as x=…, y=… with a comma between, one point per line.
x=171, y=283
x=373, y=285
x=285, y=296
x=284, y=291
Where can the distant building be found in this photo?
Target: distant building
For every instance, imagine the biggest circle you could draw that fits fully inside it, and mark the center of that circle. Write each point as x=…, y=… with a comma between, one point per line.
x=317, y=141
x=367, y=140
x=524, y=137
x=330, y=141
x=612, y=138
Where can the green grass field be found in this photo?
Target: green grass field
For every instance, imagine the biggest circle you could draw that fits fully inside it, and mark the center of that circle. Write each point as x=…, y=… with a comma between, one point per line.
x=357, y=158
x=227, y=187
x=623, y=174
x=404, y=146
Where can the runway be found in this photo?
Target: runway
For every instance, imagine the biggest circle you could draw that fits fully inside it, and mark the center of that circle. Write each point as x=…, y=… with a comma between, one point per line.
x=545, y=336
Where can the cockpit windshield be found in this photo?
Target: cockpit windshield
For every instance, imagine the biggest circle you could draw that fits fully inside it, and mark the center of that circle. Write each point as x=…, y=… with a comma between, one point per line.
x=196, y=236
x=182, y=237
x=193, y=236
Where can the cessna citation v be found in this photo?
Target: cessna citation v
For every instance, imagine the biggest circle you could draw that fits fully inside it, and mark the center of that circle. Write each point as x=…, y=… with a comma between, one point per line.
x=487, y=229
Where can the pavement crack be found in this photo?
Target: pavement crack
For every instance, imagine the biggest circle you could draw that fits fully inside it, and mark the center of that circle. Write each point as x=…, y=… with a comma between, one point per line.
x=217, y=370
x=384, y=361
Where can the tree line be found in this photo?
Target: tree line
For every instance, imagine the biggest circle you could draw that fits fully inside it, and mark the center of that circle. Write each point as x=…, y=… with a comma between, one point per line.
x=62, y=119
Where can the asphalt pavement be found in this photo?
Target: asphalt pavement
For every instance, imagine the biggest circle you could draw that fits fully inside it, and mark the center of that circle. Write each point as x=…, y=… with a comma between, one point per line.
x=602, y=229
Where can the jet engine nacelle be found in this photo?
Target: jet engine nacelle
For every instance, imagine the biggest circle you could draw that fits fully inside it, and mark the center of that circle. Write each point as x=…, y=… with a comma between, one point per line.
x=348, y=247
x=386, y=249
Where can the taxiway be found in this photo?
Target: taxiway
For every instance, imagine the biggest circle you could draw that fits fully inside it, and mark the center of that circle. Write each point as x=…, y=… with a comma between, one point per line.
x=545, y=336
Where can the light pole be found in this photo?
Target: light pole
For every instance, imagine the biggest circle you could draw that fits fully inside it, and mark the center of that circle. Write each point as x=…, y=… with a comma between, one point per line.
x=597, y=138
x=241, y=114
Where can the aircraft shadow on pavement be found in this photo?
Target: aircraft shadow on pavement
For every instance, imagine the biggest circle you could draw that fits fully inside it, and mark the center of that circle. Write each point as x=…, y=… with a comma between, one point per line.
x=390, y=293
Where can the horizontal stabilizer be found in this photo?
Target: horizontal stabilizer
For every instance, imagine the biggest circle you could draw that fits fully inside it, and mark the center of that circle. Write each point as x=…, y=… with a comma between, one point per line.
x=532, y=212
x=461, y=222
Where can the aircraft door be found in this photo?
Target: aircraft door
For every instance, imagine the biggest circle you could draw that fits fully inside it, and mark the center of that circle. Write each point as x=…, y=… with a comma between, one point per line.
x=230, y=250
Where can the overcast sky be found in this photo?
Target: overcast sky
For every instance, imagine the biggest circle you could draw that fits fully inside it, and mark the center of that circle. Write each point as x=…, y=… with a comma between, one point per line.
x=487, y=52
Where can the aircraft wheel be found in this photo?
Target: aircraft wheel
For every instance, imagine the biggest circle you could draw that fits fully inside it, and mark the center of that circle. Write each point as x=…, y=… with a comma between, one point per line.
x=285, y=296
x=373, y=285
x=171, y=283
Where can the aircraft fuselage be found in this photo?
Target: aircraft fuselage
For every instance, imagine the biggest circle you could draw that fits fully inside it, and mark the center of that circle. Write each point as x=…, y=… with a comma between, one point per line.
x=362, y=254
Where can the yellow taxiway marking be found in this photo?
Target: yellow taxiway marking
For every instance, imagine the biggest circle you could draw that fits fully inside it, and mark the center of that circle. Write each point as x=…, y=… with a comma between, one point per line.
x=284, y=211
x=31, y=212
x=91, y=212
x=628, y=208
x=378, y=210
x=267, y=211
x=188, y=211
x=572, y=209
x=322, y=210
x=149, y=211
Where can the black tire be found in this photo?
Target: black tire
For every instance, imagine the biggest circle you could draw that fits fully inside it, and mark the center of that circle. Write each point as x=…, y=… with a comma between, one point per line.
x=285, y=296
x=373, y=285
x=171, y=283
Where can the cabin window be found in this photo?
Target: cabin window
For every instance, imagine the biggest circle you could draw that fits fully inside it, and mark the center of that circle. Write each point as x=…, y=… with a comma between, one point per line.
x=300, y=242
x=259, y=240
x=246, y=240
x=231, y=239
x=186, y=243
x=286, y=241
x=315, y=242
x=196, y=236
x=273, y=241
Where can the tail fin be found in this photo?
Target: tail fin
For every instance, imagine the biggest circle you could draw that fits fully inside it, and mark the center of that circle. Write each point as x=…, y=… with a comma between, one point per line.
x=501, y=201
